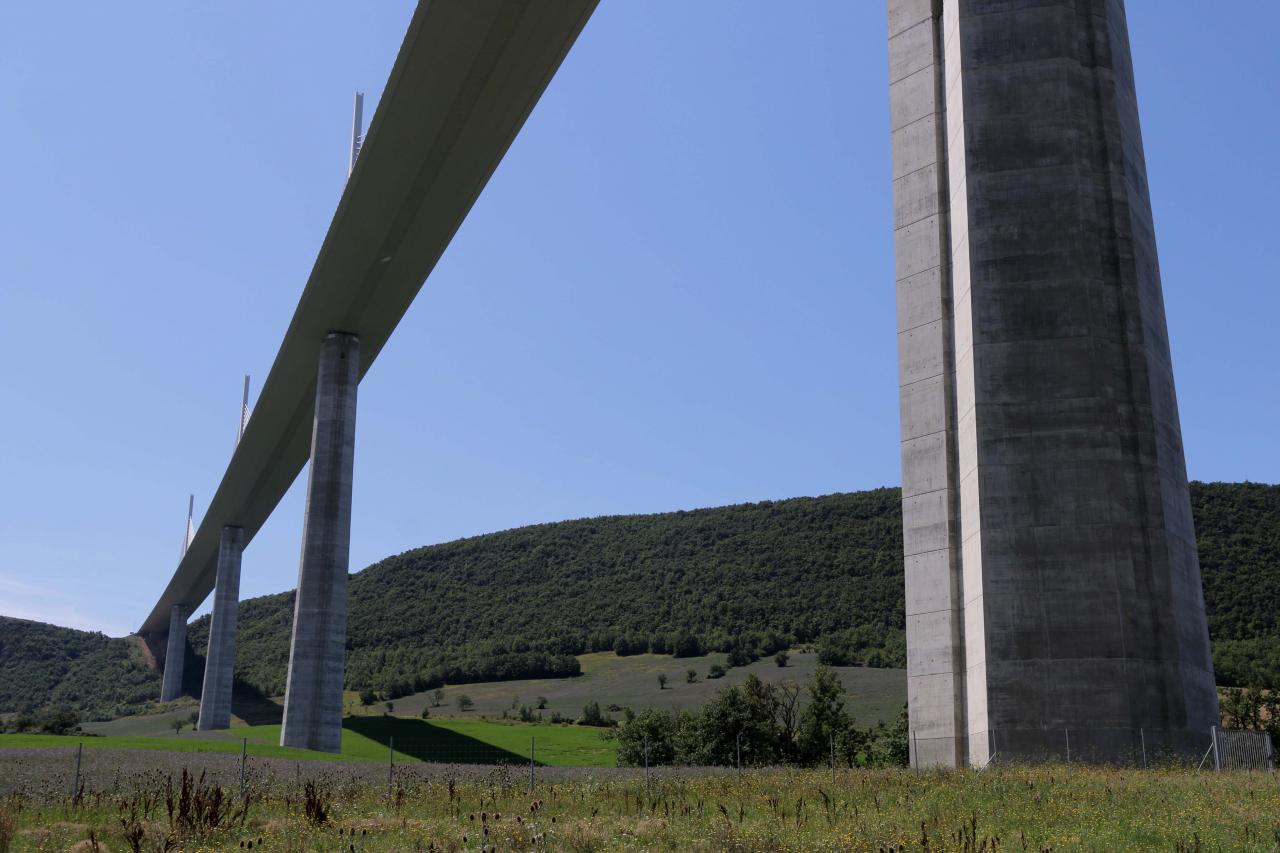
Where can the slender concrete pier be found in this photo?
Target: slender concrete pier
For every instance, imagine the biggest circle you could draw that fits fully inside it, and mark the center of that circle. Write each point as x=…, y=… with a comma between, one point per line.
x=175, y=653
x=1053, y=587
x=317, y=657
x=220, y=660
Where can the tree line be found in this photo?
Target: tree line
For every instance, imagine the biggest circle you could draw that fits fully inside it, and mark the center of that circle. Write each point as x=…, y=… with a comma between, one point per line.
x=764, y=725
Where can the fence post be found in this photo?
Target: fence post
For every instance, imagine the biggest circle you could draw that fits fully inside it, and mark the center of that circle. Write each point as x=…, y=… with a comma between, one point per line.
x=75, y=780
x=244, y=749
x=833, y=758
x=915, y=751
x=391, y=763
x=530, y=764
x=1217, y=757
x=739, y=753
x=1067, y=734
x=1142, y=736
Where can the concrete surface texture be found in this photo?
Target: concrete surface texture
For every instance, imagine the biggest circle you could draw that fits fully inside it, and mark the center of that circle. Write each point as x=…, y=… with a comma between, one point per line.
x=220, y=660
x=175, y=653
x=317, y=656
x=1053, y=588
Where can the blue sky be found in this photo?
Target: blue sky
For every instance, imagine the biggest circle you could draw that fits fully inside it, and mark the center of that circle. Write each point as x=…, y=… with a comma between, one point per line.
x=675, y=292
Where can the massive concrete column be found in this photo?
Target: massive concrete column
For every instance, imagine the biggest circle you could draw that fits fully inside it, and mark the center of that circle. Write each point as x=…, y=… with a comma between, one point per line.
x=220, y=660
x=1053, y=588
x=313, y=697
x=175, y=653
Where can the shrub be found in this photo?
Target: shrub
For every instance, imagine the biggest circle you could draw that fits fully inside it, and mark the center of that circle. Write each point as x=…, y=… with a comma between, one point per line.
x=716, y=671
x=591, y=716
x=663, y=733
x=624, y=646
x=316, y=804
x=59, y=722
x=686, y=645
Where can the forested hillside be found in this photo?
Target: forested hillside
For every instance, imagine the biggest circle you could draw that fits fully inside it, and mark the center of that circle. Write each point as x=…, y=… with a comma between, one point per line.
x=1238, y=531
x=523, y=602
x=44, y=666
x=742, y=579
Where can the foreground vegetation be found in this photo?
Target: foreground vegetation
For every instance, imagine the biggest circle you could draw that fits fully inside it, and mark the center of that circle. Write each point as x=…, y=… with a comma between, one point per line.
x=341, y=809
x=742, y=581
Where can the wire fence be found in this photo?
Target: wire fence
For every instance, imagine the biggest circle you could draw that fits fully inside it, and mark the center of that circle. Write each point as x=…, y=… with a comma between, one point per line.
x=1215, y=749
x=1242, y=750
x=1223, y=750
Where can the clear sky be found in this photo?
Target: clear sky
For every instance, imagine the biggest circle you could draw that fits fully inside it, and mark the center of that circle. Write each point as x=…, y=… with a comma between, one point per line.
x=675, y=292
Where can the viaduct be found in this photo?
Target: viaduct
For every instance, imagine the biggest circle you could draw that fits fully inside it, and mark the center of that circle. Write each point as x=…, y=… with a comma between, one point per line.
x=1052, y=582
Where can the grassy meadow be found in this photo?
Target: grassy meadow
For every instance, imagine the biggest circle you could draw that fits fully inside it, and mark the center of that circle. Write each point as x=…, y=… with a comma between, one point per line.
x=348, y=807
x=370, y=739
x=871, y=694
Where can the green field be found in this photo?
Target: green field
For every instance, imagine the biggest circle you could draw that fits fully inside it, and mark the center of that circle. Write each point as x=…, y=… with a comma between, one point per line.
x=871, y=695
x=371, y=738
x=168, y=744
x=481, y=735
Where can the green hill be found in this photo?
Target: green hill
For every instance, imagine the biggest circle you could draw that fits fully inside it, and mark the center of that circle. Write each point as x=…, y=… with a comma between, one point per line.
x=524, y=602
x=740, y=579
x=44, y=666
x=1238, y=532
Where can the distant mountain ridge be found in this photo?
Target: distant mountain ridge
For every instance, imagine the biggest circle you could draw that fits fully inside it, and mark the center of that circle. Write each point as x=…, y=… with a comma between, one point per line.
x=745, y=579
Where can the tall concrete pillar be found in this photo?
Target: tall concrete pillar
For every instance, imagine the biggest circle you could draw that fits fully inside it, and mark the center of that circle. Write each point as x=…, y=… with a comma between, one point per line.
x=175, y=653
x=313, y=697
x=220, y=660
x=1053, y=587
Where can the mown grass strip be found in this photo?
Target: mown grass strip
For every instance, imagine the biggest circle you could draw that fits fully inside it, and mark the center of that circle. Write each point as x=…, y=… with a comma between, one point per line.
x=370, y=738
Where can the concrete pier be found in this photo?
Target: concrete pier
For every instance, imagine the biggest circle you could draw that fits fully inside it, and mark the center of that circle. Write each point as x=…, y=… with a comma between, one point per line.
x=317, y=656
x=220, y=660
x=175, y=653
x=1053, y=587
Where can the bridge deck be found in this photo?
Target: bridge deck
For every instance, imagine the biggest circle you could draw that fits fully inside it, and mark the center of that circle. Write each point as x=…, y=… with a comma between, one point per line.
x=466, y=78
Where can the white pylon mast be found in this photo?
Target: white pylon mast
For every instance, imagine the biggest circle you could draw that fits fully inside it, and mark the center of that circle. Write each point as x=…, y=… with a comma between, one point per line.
x=357, y=131
x=190, y=532
x=244, y=410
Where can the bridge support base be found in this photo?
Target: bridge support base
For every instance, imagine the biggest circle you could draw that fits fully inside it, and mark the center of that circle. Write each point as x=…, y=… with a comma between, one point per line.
x=317, y=656
x=175, y=653
x=219, y=665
